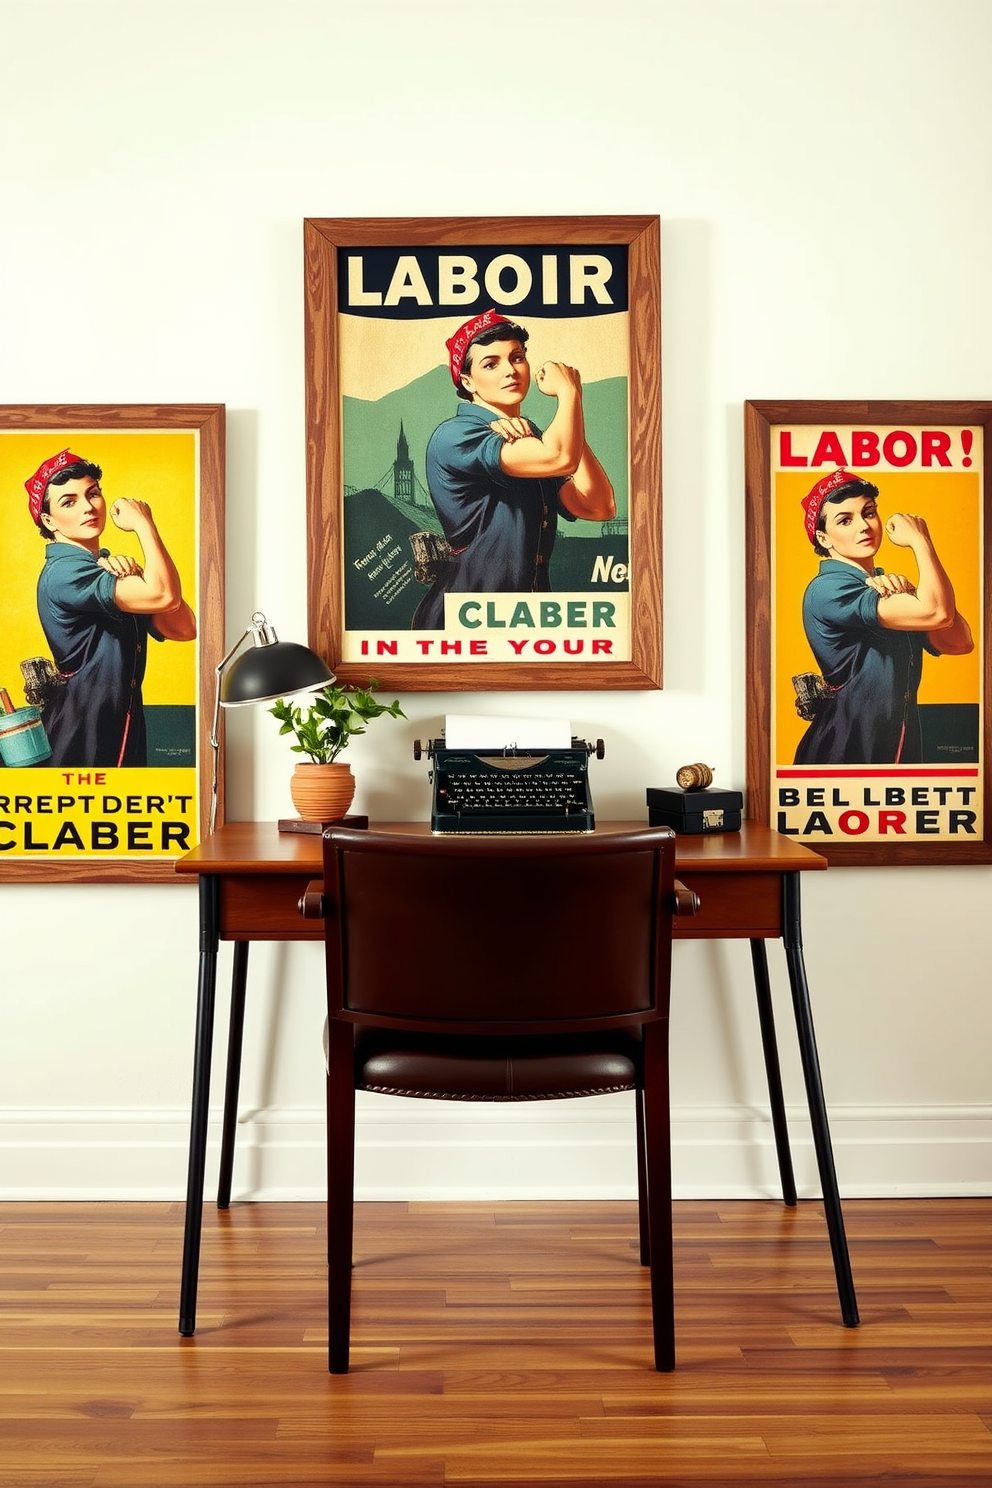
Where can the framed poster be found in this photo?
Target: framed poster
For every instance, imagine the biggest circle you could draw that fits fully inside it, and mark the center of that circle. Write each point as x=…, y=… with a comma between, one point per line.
x=113, y=527
x=868, y=583
x=484, y=451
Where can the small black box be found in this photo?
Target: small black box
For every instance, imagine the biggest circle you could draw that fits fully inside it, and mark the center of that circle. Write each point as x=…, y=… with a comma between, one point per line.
x=695, y=810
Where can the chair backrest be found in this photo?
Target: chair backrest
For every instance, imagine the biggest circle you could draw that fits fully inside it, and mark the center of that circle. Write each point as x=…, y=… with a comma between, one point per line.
x=499, y=934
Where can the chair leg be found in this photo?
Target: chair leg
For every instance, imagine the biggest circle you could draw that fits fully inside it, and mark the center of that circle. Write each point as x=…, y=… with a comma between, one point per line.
x=340, y=1192
x=643, y=1227
x=658, y=1163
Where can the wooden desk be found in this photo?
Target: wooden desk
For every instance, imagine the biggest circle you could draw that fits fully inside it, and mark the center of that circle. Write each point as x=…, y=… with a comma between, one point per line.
x=251, y=878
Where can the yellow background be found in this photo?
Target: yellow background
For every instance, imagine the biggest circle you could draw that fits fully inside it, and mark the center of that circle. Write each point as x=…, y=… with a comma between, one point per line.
x=40, y=799
x=950, y=502
x=157, y=466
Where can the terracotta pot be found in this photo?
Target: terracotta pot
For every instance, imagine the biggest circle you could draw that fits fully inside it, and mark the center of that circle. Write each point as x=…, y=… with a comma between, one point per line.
x=322, y=792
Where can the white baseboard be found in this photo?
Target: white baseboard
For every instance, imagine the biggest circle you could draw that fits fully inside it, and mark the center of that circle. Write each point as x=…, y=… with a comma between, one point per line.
x=431, y=1150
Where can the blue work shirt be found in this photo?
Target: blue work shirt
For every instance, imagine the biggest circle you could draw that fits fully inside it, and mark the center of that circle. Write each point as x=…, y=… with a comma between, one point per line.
x=97, y=717
x=872, y=716
x=502, y=527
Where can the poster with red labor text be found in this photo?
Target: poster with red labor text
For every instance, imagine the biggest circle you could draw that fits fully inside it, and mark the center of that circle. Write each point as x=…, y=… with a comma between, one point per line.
x=868, y=592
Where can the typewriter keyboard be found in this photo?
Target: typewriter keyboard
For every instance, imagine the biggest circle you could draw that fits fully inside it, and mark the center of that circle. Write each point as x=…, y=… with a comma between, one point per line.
x=547, y=791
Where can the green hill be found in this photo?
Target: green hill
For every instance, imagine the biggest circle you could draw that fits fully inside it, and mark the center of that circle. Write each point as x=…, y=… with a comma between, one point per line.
x=372, y=429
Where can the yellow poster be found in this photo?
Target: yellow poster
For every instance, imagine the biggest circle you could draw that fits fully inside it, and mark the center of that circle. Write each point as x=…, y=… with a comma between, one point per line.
x=98, y=661
x=876, y=707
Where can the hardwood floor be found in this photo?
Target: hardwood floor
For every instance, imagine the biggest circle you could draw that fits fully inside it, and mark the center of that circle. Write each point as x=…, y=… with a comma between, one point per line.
x=496, y=1344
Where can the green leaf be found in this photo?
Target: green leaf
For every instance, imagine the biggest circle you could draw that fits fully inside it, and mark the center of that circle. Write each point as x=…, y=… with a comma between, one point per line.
x=336, y=715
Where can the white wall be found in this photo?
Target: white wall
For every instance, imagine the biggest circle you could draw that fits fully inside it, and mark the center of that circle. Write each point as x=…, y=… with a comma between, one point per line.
x=821, y=171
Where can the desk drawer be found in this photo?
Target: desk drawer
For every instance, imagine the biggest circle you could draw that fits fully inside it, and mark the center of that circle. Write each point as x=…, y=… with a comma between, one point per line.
x=733, y=906
x=744, y=905
x=263, y=906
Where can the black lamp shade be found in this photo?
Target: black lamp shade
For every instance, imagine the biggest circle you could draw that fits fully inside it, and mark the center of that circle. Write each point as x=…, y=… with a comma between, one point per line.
x=264, y=673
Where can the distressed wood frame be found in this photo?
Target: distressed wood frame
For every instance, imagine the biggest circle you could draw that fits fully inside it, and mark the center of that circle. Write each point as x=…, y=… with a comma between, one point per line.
x=323, y=238
x=761, y=419
x=81, y=423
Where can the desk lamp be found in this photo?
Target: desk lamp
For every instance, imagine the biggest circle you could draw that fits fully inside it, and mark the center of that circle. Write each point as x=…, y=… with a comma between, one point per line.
x=271, y=669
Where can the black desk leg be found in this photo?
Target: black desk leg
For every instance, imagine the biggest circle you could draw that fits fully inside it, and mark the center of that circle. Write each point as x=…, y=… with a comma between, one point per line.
x=235, y=1038
x=773, y=1072
x=205, y=998
x=792, y=935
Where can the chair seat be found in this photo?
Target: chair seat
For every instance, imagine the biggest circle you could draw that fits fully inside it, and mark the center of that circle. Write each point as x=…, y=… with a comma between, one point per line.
x=465, y=1068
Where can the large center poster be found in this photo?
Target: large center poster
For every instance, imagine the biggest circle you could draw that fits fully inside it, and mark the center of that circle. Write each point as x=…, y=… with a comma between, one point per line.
x=492, y=514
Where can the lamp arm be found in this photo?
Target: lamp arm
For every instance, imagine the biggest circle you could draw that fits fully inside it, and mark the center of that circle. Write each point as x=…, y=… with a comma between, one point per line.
x=215, y=726
x=218, y=674
x=262, y=634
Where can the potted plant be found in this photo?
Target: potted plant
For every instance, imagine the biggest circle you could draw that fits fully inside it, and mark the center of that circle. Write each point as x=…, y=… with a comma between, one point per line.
x=321, y=787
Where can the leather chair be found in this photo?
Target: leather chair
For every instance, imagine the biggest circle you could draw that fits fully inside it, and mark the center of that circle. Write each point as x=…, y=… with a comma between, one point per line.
x=499, y=968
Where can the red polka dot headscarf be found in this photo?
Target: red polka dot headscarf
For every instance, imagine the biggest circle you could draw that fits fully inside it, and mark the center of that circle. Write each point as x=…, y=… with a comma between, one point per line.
x=459, y=343
x=811, y=504
x=35, y=486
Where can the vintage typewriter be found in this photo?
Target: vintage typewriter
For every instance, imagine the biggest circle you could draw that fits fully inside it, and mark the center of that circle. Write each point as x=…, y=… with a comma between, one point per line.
x=509, y=789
